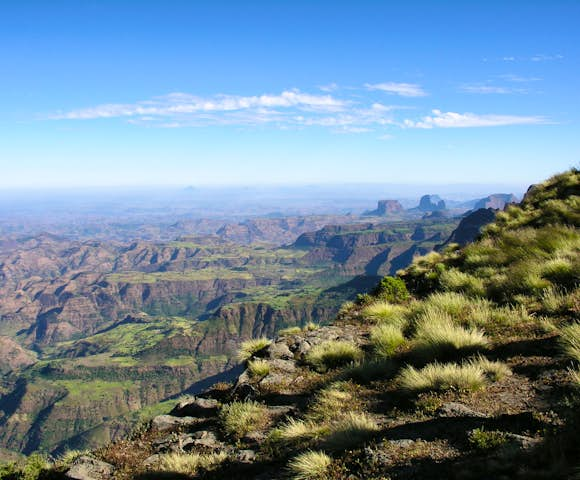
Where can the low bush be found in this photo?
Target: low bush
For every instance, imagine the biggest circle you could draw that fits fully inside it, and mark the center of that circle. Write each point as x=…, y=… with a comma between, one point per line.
x=437, y=376
x=249, y=348
x=385, y=340
x=486, y=440
x=333, y=354
x=240, y=418
x=392, y=290
x=310, y=465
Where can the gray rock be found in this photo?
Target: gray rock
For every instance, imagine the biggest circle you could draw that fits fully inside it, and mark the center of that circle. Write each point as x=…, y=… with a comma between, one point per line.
x=245, y=456
x=280, y=350
x=196, y=407
x=164, y=423
x=273, y=379
x=521, y=441
x=403, y=442
x=454, y=409
x=208, y=439
x=283, y=365
x=88, y=468
x=152, y=460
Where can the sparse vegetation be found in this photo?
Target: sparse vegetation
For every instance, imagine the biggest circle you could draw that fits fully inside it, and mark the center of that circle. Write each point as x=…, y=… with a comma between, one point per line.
x=289, y=331
x=482, y=439
x=310, y=465
x=249, y=348
x=571, y=341
x=333, y=354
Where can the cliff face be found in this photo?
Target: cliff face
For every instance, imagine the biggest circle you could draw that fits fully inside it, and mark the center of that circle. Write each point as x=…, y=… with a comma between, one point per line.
x=497, y=201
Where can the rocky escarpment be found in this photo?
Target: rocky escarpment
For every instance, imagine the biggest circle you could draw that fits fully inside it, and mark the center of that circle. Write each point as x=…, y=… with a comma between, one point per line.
x=431, y=203
x=497, y=201
x=470, y=226
x=386, y=208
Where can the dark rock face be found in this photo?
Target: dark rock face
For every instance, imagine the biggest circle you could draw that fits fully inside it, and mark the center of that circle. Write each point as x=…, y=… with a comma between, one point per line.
x=431, y=203
x=471, y=225
x=497, y=201
x=386, y=208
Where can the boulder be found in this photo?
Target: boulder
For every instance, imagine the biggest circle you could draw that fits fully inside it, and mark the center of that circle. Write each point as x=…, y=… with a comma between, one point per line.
x=280, y=350
x=89, y=468
x=164, y=423
x=454, y=409
x=196, y=407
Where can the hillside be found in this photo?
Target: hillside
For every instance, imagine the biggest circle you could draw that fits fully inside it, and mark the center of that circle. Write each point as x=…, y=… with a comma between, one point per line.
x=473, y=374
x=97, y=335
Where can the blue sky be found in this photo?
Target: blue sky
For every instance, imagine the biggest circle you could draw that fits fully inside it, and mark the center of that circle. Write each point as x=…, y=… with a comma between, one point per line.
x=258, y=92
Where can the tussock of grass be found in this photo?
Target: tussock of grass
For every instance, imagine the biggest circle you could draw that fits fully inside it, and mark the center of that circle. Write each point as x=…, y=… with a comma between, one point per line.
x=331, y=401
x=437, y=376
x=249, y=348
x=495, y=371
x=333, y=354
x=351, y=429
x=258, y=367
x=240, y=418
x=290, y=331
x=482, y=439
x=570, y=341
x=555, y=302
x=436, y=336
x=310, y=465
x=297, y=430
x=458, y=281
x=385, y=312
x=574, y=376
x=311, y=326
x=190, y=463
x=68, y=457
x=385, y=339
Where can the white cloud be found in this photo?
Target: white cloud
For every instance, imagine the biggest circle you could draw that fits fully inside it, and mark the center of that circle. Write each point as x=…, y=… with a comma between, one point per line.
x=402, y=89
x=331, y=87
x=465, y=120
x=510, y=77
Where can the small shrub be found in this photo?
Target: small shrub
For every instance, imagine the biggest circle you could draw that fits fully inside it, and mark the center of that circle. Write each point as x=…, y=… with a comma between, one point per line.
x=333, y=354
x=385, y=312
x=437, y=336
x=258, y=367
x=190, y=463
x=392, y=290
x=350, y=430
x=484, y=440
x=570, y=340
x=249, y=348
x=346, y=309
x=290, y=331
x=437, y=376
x=310, y=465
x=364, y=299
x=9, y=471
x=34, y=466
x=68, y=457
x=240, y=418
x=310, y=327
x=385, y=340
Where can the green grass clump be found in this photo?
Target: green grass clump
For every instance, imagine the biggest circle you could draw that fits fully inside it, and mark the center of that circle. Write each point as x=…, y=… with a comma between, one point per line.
x=458, y=281
x=310, y=327
x=249, y=348
x=290, y=331
x=258, y=367
x=495, y=371
x=310, y=465
x=385, y=340
x=68, y=457
x=240, y=418
x=331, y=401
x=190, y=463
x=385, y=312
x=299, y=431
x=486, y=440
x=351, y=429
x=437, y=336
x=570, y=341
x=333, y=354
x=439, y=377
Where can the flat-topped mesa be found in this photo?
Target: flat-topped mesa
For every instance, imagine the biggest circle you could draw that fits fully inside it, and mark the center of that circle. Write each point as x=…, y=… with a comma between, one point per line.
x=386, y=208
x=431, y=203
x=497, y=201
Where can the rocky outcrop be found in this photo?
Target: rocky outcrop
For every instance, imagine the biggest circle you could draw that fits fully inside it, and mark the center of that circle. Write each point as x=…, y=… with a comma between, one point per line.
x=497, y=201
x=431, y=203
x=386, y=208
x=13, y=356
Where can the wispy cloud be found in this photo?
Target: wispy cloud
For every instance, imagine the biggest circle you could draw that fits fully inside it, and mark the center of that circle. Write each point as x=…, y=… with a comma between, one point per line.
x=440, y=119
x=331, y=87
x=540, y=57
x=491, y=89
x=402, y=89
x=510, y=77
